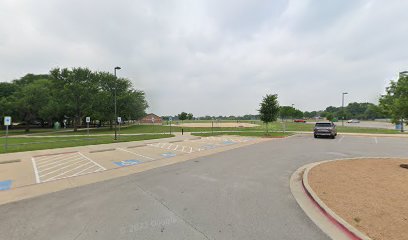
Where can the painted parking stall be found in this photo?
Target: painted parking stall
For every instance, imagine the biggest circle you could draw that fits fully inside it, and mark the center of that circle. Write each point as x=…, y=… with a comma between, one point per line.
x=64, y=165
x=178, y=147
x=58, y=165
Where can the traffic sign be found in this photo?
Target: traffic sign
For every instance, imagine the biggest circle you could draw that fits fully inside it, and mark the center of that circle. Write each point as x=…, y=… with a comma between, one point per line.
x=119, y=119
x=7, y=121
x=88, y=119
x=170, y=119
x=152, y=119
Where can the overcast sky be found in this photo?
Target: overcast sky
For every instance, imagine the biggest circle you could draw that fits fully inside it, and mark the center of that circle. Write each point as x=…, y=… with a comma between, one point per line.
x=215, y=57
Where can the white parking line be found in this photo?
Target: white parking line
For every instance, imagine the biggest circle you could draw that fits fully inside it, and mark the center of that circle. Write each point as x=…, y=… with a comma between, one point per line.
x=51, y=159
x=37, y=178
x=375, y=140
x=53, y=167
x=135, y=153
x=53, y=162
x=63, y=163
x=58, y=169
x=341, y=139
x=92, y=161
x=63, y=173
x=82, y=171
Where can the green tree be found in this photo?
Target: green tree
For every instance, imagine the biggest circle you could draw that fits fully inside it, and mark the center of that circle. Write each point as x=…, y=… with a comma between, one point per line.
x=190, y=116
x=182, y=116
x=80, y=87
x=373, y=111
x=297, y=113
x=395, y=101
x=6, y=99
x=329, y=116
x=31, y=98
x=286, y=112
x=269, y=109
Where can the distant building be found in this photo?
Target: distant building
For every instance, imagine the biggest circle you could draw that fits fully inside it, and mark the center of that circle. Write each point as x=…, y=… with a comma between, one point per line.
x=151, y=119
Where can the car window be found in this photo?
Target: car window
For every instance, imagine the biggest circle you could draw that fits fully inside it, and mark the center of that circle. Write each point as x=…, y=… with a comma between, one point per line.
x=323, y=124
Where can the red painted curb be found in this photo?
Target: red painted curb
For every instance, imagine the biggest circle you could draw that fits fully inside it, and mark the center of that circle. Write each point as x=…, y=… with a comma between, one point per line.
x=339, y=225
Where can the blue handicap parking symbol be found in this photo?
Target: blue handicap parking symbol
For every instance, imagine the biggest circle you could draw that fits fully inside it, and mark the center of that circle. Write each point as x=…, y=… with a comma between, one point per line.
x=169, y=154
x=125, y=163
x=5, y=185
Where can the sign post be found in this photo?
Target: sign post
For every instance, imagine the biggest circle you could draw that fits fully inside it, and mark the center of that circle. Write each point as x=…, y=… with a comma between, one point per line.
x=170, y=119
x=87, y=120
x=7, y=123
x=119, y=121
x=212, y=127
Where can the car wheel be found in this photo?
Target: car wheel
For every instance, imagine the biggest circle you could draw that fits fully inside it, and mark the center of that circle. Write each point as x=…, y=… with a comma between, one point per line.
x=315, y=136
x=333, y=137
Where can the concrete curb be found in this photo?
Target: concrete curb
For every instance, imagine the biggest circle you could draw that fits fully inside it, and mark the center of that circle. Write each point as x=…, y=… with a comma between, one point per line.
x=325, y=218
x=349, y=230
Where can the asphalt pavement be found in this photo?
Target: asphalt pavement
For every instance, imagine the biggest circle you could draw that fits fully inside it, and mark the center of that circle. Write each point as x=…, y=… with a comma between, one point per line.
x=238, y=194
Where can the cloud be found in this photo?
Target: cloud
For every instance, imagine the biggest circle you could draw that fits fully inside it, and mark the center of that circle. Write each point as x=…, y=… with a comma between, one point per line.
x=212, y=57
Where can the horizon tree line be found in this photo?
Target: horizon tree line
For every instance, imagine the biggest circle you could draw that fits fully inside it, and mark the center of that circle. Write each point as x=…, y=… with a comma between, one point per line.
x=70, y=95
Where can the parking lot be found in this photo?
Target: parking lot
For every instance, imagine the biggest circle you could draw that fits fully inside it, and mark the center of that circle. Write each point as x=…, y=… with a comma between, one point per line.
x=238, y=194
x=46, y=166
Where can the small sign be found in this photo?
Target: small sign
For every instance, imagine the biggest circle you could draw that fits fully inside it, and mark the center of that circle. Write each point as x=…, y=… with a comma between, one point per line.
x=88, y=119
x=5, y=185
x=152, y=119
x=125, y=163
x=7, y=121
x=170, y=119
x=119, y=119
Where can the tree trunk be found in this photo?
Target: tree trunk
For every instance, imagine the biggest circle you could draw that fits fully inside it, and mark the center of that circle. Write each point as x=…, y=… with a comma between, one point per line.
x=267, y=129
x=27, y=126
x=76, y=124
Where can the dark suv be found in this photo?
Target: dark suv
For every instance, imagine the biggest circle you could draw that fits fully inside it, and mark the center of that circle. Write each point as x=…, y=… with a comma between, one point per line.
x=325, y=129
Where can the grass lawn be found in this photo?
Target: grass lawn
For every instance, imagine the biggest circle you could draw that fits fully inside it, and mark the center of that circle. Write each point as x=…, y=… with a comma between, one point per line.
x=21, y=144
x=245, y=133
x=275, y=126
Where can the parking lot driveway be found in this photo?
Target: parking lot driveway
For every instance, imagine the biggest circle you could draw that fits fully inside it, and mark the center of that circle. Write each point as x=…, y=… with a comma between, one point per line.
x=238, y=194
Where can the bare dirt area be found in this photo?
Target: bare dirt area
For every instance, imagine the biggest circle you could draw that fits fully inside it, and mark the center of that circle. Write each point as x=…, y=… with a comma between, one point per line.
x=370, y=194
x=219, y=124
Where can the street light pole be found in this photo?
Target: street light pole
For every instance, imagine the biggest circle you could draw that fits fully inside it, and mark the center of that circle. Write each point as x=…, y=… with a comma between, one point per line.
x=403, y=74
x=342, y=107
x=292, y=112
x=116, y=120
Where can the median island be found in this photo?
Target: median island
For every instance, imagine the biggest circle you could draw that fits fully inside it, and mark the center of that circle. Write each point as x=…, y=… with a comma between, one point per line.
x=370, y=194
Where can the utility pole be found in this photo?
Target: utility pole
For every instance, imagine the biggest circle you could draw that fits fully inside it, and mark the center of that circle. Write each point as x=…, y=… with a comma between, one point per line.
x=116, y=120
x=342, y=108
